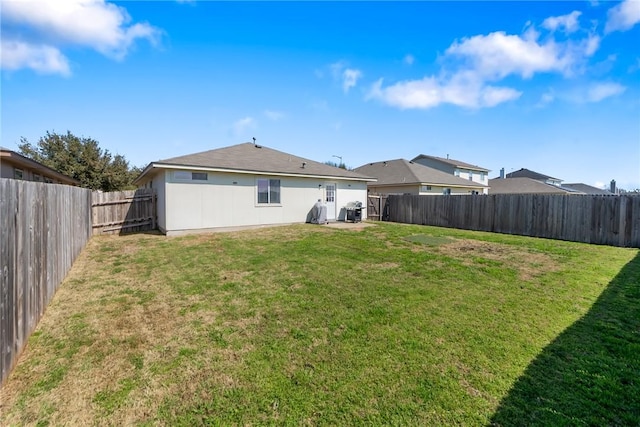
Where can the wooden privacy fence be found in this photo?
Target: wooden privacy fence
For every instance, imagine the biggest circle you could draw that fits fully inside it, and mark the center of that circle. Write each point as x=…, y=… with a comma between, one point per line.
x=123, y=211
x=376, y=204
x=43, y=228
x=607, y=220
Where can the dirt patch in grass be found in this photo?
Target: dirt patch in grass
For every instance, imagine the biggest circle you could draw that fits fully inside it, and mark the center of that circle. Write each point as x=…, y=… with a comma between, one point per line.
x=529, y=263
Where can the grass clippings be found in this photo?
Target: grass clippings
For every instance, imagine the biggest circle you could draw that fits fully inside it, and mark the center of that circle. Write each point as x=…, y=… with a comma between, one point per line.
x=312, y=325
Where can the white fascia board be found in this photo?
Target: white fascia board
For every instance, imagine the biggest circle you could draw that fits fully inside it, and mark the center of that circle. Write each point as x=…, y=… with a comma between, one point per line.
x=249, y=172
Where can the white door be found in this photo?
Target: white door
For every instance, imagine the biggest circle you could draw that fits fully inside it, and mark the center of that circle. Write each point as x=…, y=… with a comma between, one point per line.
x=330, y=200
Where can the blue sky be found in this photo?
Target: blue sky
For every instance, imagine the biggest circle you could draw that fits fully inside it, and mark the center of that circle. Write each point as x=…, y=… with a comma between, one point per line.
x=549, y=86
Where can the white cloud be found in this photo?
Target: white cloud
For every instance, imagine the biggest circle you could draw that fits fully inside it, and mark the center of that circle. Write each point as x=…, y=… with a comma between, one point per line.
x=241, y=125
x=623, y=16
x=473, y=65
x=498, y=55
x=599, y=91
x=409, y=59
x=463, y=89
x=347, y=76
x=274, y=115
x=568, y=22
x=95, y=24
x=43, y=59
x=350, y=77
x=546, y=99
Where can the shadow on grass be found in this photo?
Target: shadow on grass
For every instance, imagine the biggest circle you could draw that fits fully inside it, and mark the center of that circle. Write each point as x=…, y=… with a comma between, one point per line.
x=590, y=374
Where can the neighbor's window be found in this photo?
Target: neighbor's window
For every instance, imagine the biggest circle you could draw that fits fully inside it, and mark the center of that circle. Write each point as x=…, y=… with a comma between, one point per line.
x=456, y=172
x=425, y=188
x=268, y=191
x=37, y=178
x=18, y=174
x=470, y=176
x=446, y=191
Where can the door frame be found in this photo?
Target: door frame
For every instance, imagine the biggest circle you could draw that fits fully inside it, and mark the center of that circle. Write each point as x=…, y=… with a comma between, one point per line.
x=331, y=213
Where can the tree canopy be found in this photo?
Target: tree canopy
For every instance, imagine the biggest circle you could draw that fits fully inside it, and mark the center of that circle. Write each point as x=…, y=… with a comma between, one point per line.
x=82, y=159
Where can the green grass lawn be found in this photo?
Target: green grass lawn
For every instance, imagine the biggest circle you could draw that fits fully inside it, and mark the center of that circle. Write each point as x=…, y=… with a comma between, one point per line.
x=308, y=325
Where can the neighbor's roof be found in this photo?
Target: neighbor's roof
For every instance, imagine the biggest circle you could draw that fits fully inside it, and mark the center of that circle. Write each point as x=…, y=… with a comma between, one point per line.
x=526, y=173
x=586, y=189
x=251, y=158
x=21, y=161
x=451, y=162
x=523, y=186
x=401, y=171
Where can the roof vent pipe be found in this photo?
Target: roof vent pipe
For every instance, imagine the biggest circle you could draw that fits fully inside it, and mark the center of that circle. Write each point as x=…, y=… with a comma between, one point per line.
x=304, y=164
x=502, y=173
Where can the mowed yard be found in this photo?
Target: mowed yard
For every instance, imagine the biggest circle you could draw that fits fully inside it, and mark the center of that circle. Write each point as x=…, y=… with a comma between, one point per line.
x=310, y=325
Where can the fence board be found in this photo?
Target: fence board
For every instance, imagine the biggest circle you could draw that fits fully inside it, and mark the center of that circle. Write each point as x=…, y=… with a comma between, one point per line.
x=43, y=228
x=123, y=211
x=599, y=219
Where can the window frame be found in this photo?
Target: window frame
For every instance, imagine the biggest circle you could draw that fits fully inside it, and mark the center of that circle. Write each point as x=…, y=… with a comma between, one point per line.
x=272, y=190
x=17, y=172
x=190, y=176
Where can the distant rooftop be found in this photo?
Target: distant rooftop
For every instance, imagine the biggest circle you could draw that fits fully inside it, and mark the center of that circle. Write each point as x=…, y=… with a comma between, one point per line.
x=402, y=171
x=526, y=173
x=451, y=162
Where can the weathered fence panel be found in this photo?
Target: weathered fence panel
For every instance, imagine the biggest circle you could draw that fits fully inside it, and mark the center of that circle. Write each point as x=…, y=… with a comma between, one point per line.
x=123, y=211
x=375, y=207
x=43, y=228
x=605, y=220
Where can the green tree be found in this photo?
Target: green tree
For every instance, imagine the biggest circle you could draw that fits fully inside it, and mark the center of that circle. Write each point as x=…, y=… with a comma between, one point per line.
x=82, y=159
x=340, y=165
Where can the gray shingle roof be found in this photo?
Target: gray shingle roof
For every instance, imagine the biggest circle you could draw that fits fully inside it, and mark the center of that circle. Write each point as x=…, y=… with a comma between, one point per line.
x=522, y=186
x=248, y=157
x=526, y=173
x=586, y=189
x=403, y=171
x=451, y=162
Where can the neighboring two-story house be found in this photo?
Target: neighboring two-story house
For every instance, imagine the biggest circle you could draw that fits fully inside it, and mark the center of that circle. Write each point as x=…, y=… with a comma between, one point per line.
x=456, y=168
x=402, y=176
x=17, y=166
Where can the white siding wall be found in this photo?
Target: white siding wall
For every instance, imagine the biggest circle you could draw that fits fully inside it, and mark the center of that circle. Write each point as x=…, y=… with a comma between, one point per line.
x=350, y=192
x=479, y=177
x=230, y=200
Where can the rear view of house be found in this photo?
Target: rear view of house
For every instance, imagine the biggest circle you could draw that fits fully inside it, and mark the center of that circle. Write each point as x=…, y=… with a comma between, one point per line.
x=246, y=185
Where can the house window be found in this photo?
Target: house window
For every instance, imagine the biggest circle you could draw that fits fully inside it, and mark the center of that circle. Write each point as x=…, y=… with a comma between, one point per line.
x=48, y=180
x=268, y=191
x=331, y=193
x=199, y=176
x=18, y=174
x=446, y=191
x=425, y=188
x=190, y=176
x=37, y=178
x=470, y=176
x=456, y=172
